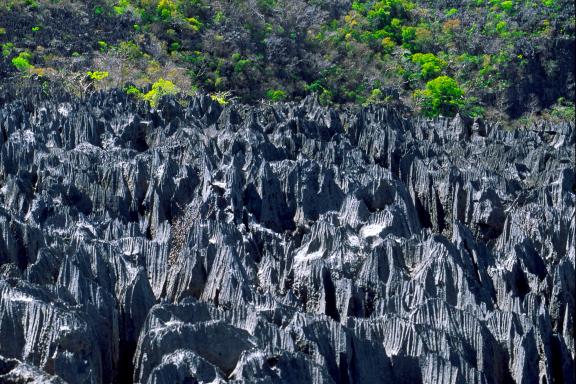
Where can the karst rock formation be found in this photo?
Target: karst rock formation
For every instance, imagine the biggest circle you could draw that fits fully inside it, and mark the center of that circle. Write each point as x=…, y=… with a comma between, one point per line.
x=285, y=243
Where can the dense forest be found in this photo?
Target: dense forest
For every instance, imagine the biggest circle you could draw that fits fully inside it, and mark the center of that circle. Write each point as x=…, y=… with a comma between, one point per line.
x=507, y=59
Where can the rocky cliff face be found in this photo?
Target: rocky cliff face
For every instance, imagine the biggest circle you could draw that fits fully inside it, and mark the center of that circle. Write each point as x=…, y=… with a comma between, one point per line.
x=281, y=244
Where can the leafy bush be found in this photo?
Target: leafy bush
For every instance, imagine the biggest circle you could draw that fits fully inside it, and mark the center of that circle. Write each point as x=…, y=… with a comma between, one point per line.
x=416, y=39
x=221, y=97
x=275, y=95
x=442, y=96
x=133, y=91
x=241, y=64
x=218, y=17
x=507, y=5
x=159, y=89
x=471, y=108
x=326, y=97
x=376, y=96
x=129, y=49
x=194, y=24
x=563, y=110
x=122, y=7
x=451, y=12
x=166, y=8
x=97, y=75
x=22, y=63
x=6, y=49
x=430, y=65
x=388, y=45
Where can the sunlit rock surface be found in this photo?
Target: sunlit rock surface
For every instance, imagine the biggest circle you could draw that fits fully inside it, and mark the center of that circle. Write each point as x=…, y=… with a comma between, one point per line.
x=281, y=244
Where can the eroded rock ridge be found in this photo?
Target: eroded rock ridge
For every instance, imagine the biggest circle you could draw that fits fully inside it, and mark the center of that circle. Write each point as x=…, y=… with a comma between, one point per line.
x=281, y=244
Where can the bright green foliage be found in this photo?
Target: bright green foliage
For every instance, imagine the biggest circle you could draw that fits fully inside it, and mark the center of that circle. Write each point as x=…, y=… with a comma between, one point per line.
x=442, y=96
x=381, y=13
x=160, y=88
x=376, y=96
x=33, y=4
x=408, y=34
x=451, y=12
x=275, y=95
x=241, y=64
x=6, y=49
x=430, y=65
x=501, y=27
x=166, y=8
x=169, y=12
x=103, y=46
x=371, y=21
x=22, y=63
x=35, y=29
x=97, y=75
x=194, y=24
x=507, y=5
x=315, y=86
x=218, y=17
x=2, y=31
x=326, y=97
x=220, y=97
x=122, y=7
x=133, y=91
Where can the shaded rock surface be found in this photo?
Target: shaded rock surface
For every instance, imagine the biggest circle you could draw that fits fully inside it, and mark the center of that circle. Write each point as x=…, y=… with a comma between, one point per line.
x=281, y=244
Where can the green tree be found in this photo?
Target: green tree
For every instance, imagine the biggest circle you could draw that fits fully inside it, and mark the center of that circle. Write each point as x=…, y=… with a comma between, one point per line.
x=430, y=65
x=442, y=96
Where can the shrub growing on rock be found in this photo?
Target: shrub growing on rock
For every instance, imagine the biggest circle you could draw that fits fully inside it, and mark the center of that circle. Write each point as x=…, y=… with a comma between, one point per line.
x=275, y=95
x=97, y=75
x=160, y=88
x=442, y=96
x=22, y=63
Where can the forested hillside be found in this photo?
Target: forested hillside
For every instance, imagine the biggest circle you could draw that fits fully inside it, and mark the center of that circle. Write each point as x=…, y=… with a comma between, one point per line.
x=511, y=59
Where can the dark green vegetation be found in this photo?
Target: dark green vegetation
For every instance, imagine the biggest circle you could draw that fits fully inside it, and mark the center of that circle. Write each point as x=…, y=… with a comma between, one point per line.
x=509, y=59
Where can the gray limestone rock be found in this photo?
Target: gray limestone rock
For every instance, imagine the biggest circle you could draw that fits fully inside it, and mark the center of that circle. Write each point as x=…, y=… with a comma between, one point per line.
x=292, y=243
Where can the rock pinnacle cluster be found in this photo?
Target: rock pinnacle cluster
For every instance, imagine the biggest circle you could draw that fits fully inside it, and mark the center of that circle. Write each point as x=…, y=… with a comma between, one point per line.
x=282, y=243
